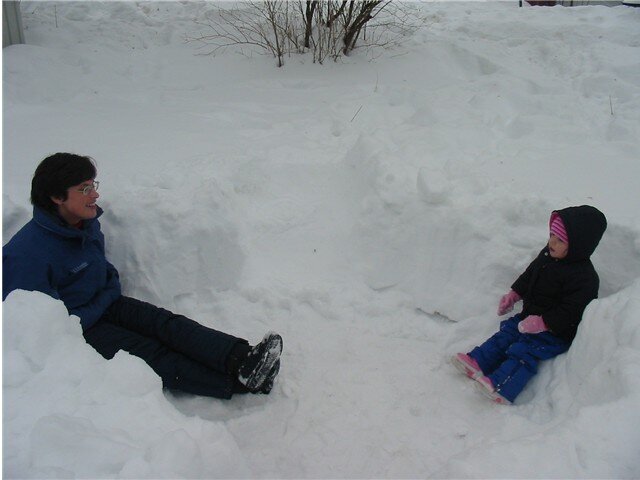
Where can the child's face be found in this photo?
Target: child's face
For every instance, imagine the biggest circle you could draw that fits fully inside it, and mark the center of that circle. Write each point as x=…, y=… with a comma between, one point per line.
x=557, y=248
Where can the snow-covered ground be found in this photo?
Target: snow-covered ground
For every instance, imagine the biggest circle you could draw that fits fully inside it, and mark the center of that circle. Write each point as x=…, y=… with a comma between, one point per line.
x=372, y=212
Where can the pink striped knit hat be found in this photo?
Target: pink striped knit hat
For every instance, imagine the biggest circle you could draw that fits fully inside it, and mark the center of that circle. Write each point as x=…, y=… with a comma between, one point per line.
x=557, y=227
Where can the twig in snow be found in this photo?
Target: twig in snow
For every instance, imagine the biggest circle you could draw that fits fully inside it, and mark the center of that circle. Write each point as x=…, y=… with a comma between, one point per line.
x=611, y=104
x=354, y=117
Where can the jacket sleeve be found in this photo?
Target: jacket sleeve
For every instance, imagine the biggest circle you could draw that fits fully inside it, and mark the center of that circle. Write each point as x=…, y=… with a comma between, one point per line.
x=91, y=312
x=564, y=318
x=113, y=279
x=19, y=272
x=32, y=274
x=521, y=285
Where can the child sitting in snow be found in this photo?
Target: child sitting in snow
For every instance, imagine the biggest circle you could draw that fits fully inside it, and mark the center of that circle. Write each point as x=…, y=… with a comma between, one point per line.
x=555, y=289
x=60, y=252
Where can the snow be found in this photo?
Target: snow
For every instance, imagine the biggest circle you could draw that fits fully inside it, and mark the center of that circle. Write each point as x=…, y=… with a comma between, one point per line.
x=372, y=212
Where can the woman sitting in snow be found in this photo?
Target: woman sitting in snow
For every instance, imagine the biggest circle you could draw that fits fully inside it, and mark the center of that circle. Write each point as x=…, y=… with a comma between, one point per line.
x=555, y=289
x=60, y=252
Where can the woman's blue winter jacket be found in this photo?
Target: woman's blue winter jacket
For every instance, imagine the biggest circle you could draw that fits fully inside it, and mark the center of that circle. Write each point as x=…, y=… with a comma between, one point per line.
x=66, y=263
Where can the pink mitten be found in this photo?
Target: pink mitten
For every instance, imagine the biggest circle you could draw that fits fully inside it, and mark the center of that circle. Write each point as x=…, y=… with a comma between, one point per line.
x=507, y=301
x=532, y=324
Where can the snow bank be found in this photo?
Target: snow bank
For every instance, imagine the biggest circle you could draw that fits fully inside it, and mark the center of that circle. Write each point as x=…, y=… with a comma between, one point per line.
x=180, y=240
x=70, y=413
x=589, y=392
x=453, y=243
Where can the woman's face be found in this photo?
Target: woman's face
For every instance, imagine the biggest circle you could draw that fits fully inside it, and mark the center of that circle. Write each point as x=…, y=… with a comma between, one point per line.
x=557, y=248
x=80, y=203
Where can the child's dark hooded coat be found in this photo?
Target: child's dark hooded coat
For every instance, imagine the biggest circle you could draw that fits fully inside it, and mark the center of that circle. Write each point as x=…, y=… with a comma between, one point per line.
x=560, y=289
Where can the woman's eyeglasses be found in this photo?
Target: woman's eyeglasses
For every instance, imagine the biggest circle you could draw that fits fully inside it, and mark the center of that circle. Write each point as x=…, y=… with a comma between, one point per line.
x=87, y=189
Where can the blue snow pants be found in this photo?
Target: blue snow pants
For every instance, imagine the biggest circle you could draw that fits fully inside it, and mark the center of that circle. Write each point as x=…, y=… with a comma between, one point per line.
x=187, y=356
x=510, y=358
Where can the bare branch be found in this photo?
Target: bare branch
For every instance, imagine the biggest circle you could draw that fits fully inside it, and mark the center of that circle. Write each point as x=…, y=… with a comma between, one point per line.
x=327, y=28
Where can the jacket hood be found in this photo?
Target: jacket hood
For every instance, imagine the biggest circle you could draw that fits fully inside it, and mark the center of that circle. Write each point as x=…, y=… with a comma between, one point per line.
x=585, y=226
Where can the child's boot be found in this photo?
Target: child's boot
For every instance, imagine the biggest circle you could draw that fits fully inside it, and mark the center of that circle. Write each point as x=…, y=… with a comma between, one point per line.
x=467, y=365
x=486, y=388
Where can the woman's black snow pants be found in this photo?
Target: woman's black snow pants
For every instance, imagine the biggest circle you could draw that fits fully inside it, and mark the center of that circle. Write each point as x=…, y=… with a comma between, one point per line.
x=186, y=355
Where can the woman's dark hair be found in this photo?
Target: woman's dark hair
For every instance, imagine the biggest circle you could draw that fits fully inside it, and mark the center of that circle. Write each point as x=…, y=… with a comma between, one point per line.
x=56, y=174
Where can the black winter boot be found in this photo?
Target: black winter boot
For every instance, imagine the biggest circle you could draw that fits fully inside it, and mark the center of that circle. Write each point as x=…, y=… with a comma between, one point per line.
x=267, y=386
x=259, y=365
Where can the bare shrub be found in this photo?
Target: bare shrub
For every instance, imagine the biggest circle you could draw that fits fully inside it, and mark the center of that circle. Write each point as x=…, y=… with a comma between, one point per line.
x=326, y=29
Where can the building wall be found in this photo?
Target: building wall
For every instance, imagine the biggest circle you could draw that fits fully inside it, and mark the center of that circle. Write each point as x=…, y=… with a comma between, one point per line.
x=12, y=31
